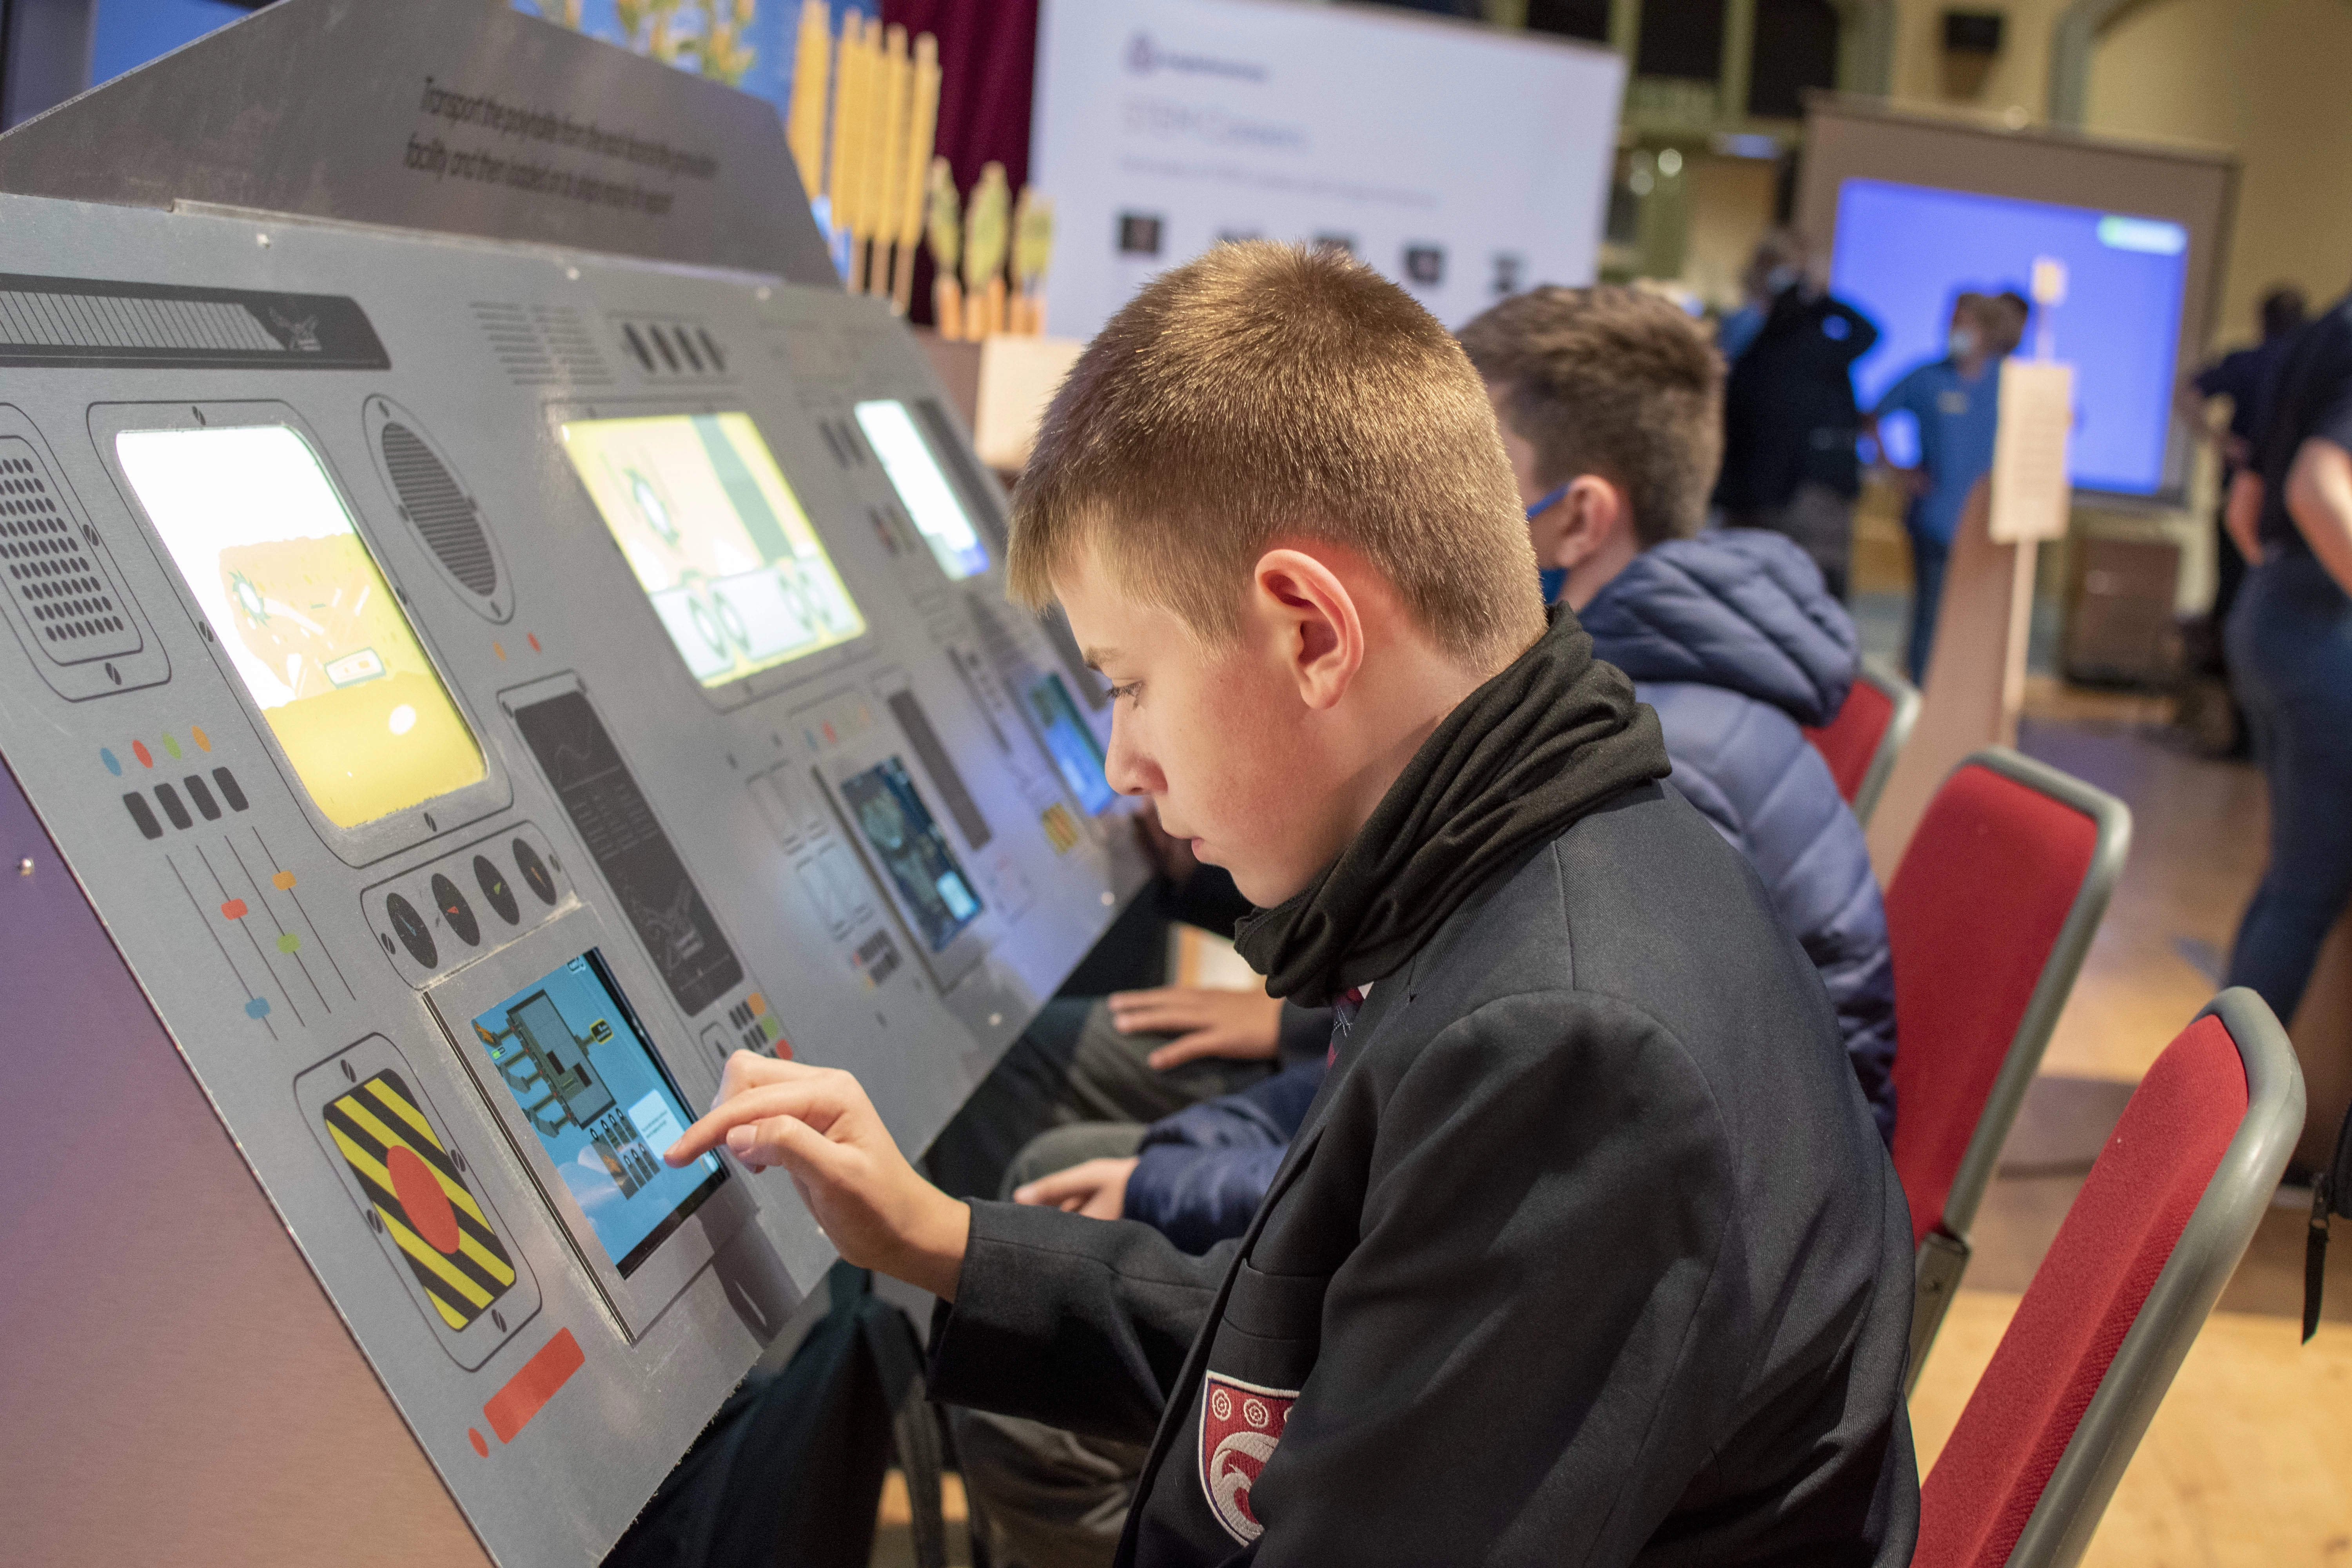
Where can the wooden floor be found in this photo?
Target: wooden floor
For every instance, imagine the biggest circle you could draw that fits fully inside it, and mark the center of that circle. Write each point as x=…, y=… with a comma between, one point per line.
x=2249, y=1461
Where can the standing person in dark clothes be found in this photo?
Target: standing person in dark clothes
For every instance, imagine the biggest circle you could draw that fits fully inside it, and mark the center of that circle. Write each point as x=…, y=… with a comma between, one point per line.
x=1588, y=1249
x=1790, y=424
x=2243, y=376
x=2290, y=641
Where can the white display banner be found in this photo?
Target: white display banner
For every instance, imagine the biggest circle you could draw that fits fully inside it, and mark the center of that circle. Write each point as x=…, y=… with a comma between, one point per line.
x=1466, y=164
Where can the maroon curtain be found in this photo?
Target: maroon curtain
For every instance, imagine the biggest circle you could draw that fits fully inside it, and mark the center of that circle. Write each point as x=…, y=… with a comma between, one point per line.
x=988, y=60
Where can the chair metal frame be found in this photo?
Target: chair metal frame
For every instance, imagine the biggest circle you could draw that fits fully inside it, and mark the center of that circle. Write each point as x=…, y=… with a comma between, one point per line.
x=1943, y=1255
x=2211, y=1244
x=1878, y=673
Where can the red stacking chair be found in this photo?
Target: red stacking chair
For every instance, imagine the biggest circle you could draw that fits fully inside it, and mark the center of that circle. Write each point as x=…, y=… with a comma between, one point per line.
x=1863, y=742
x=1989, y=916
x=2150, y=1240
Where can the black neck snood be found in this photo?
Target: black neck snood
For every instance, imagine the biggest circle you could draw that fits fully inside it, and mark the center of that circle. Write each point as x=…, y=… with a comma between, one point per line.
x=1542, y=743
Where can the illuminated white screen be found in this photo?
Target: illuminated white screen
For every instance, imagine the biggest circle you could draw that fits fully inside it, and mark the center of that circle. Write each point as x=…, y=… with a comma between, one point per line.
x=929, y=500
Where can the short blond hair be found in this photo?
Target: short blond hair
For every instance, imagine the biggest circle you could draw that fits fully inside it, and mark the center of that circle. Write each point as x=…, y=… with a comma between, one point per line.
x=1268, y=393
x=1614, y=382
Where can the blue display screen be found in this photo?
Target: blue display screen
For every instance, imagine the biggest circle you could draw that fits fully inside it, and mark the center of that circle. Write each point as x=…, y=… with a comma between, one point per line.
x=572, y=1056
x=906, y=840
x=1076, y=754
x=1904, y=251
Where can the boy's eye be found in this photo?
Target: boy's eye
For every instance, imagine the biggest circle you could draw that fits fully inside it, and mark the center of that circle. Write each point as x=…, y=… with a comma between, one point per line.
x=1128, y=690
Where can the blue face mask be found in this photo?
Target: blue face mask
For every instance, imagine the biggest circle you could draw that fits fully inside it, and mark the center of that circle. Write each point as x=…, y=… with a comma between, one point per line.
x=1554, y=578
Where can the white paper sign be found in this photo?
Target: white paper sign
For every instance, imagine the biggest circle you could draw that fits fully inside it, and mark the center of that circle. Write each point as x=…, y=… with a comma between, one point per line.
x=2030, y=492
x=1464, y=163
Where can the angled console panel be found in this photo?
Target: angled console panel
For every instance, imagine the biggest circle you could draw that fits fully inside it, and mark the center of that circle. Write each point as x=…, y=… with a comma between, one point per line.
x=468, y=744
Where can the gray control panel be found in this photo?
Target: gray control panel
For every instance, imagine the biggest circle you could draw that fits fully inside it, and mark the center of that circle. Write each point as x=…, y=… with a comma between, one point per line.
x=479, y=687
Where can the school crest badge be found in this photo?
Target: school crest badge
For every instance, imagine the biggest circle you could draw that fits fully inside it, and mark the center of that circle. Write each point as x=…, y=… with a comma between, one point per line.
x=1240, y=1424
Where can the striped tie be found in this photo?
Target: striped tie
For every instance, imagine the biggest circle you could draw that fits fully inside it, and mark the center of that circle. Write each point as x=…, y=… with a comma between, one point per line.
x=1343, y=1019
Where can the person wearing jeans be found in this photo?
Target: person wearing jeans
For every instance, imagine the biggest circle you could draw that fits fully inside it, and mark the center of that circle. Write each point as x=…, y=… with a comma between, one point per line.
x=2290, y=650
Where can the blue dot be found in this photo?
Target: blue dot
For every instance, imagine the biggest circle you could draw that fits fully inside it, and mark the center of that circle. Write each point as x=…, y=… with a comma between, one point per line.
x=257, y=1008
x=113, y=765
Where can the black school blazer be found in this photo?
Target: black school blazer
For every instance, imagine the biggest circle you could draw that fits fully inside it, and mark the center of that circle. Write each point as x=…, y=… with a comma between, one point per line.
x=1588, y=1253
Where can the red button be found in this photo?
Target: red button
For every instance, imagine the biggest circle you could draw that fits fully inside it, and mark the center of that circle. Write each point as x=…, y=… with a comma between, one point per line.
x=421, y=1197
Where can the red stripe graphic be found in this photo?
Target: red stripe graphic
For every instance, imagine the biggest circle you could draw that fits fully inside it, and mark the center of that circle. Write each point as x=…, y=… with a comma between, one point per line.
x=511, y=1407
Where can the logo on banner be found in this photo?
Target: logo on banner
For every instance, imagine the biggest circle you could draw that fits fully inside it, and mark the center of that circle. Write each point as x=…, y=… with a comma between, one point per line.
x=1240, y=1424
x=1144, y=57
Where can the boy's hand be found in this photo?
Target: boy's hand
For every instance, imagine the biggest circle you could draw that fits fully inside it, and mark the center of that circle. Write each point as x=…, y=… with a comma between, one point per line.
x=1096, y=1189
x=817, y=1124
x=1246, y=1025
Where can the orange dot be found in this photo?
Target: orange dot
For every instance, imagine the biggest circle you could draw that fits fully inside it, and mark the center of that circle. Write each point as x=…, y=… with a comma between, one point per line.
x=203, y=742
x=283, y=882
x=757, y=1002
x=481, y=1445
x=534, y=642
x=501, y=649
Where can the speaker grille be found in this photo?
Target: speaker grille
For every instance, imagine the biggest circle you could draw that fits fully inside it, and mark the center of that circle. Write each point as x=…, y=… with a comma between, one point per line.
x=442, y=512
x=72, y=608
x=541, y=345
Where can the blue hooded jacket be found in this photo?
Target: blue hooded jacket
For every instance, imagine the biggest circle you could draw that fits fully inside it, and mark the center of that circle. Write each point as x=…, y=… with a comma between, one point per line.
x=1732, y=637
x=1734, y=640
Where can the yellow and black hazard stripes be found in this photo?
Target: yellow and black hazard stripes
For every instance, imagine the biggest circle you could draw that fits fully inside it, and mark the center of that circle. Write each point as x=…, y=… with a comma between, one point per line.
x=423, y=1200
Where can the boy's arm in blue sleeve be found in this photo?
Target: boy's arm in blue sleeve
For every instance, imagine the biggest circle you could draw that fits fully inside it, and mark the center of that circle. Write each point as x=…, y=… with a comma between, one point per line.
x=1267, y=1114
x=1201, y=1173
x=1199, y=1197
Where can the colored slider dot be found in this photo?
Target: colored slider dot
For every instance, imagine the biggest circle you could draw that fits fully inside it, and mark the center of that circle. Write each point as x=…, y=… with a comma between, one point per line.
x=289, y=942
x=234, y=909
x=481, y=1445
x=172, y=746
x=501, y=649
x=283, y=882
x=534, y=640
x=113, y=764
x=757, y=1002
x=196, y=733
x=257, y=1008
x=139, y=750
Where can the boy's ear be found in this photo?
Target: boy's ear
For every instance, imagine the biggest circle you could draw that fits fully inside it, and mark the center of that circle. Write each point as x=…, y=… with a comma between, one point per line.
x=1590, y=516
x=1311, y=622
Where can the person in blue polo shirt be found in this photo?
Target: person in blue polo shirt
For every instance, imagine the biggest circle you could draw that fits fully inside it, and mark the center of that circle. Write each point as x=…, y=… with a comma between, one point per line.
x=1955, y=402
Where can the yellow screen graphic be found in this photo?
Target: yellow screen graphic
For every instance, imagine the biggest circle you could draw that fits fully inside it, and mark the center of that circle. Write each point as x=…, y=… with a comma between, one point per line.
x=717, y=539
x=269, y=548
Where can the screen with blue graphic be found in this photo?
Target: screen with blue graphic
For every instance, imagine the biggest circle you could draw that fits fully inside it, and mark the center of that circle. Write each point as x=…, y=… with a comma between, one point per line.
x=1904, y=251
x=1076, y=753
x=572, y=1055
x=906, y=840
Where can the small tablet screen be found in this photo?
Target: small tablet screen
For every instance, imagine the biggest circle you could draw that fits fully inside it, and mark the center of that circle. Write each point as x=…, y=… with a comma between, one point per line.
x=1074, y=751
x=906, y=840
x=571, y=1053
